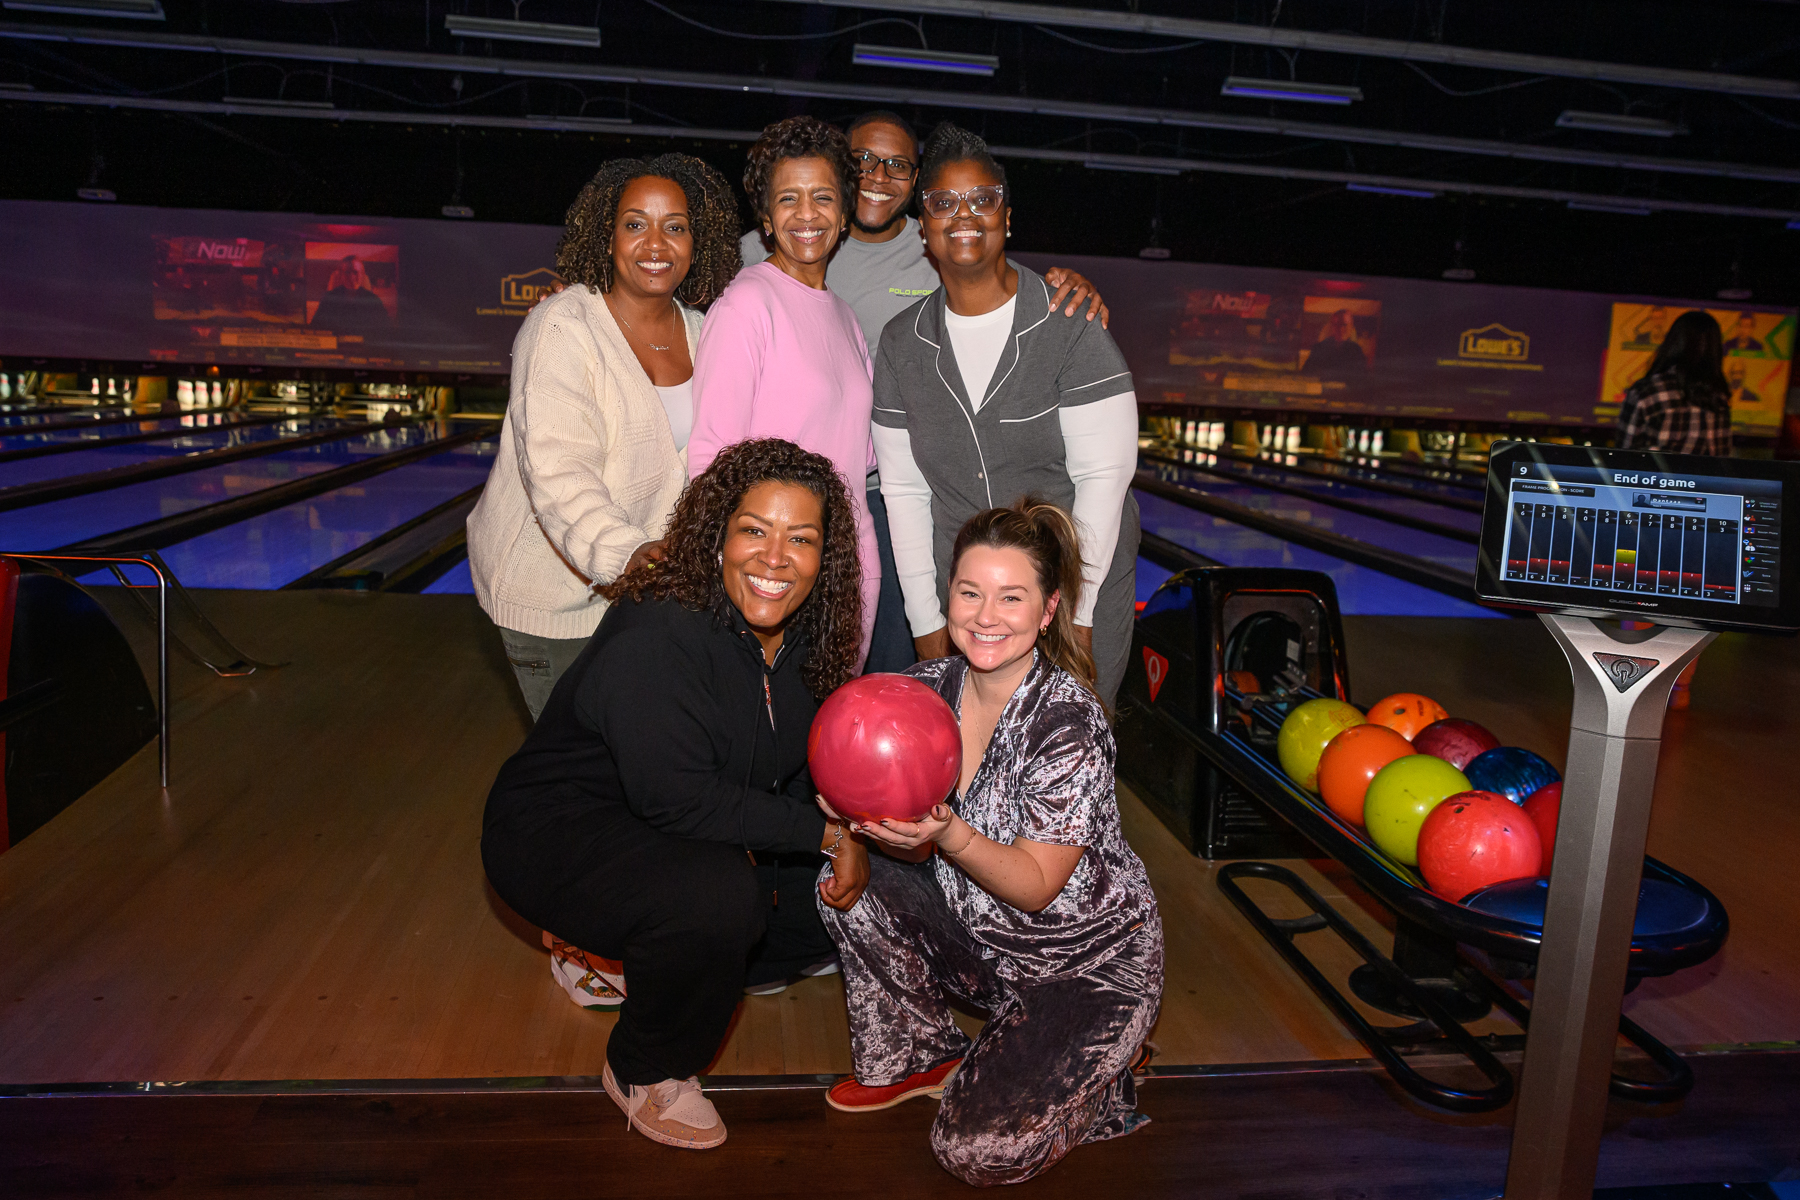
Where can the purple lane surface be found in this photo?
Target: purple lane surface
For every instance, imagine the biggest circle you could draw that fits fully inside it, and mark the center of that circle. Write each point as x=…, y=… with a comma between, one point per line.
x=1149, y=578
x=1421, y=509
x=1396, y=538
x=20, y=437
x=63, y=522
x=457, y=581
x=178, y=444
x=1362, y=591
x=278, y=547
x=1467, y=490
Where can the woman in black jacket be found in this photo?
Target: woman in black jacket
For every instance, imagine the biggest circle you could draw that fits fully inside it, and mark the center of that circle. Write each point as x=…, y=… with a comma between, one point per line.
x=660, y=812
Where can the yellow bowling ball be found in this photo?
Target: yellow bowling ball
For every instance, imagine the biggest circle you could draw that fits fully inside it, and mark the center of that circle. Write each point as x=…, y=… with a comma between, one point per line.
x=1305, y=734
x=1401, y=796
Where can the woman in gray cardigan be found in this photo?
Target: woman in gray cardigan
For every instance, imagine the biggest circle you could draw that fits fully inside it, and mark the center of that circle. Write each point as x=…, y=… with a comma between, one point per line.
x=981, y=398
x=592, y=448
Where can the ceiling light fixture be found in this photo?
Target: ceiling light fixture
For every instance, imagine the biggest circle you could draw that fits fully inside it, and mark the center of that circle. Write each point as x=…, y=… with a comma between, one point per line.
x=1275, y=89
x=1615, y=123
x=1621, y=209
x=266, y=102
x=1097, y=164
x=140, y=10
x=1381, y=189
x=865, y=55
x=522, y=31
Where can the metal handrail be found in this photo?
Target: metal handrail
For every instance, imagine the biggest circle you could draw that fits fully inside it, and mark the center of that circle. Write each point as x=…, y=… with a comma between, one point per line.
x=156, y=566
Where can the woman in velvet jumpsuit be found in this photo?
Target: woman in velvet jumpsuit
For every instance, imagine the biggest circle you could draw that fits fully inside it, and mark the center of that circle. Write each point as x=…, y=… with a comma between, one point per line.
x=1021, y=898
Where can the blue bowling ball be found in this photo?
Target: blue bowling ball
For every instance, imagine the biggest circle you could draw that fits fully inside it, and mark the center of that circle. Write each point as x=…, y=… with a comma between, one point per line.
x=1511, y=771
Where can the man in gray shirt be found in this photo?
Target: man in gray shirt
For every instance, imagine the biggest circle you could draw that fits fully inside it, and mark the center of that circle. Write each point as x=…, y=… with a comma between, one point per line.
x=879, y=270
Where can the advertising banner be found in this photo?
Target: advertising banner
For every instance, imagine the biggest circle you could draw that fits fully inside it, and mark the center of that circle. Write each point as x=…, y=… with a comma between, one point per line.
x=271, y=289
x=1759, y=354
x=1261, y=337
x=197, y=286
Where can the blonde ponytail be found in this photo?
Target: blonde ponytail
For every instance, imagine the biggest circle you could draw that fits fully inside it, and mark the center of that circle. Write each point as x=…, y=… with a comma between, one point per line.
x=1048, y=537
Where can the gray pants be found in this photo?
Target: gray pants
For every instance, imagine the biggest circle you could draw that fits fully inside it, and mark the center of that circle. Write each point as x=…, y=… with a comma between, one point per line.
x=539, y=662
x=1115, y=613
x=1051, y=1068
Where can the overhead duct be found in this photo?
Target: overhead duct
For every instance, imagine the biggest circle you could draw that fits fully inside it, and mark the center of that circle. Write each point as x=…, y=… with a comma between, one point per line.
x=1138, y=163
x=1189, y=29
x=891, y=95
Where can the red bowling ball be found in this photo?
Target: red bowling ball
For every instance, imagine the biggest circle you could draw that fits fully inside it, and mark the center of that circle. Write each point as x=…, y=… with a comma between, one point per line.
x=1473, y=839
x=884, y=746
x=1543, y=807
x=1456, y=741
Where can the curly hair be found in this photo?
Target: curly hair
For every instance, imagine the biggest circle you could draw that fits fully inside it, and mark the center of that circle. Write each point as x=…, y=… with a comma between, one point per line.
x=798, y=137
x=948, y=144
x=584, y=255
x=830, y=618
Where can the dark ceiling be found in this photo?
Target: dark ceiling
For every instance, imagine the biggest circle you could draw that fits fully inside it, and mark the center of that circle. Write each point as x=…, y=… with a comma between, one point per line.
x=411, y=130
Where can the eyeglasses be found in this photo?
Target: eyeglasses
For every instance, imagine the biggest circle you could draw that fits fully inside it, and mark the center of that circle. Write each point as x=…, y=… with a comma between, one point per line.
x=943, y=203
x=897, y=168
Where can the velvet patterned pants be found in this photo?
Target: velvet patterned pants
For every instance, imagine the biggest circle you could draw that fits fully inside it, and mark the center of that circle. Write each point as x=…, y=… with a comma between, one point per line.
x=1051, y=1068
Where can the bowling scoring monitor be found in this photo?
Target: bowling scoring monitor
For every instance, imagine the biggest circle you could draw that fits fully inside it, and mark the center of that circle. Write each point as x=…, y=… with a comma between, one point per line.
x=1673, y=539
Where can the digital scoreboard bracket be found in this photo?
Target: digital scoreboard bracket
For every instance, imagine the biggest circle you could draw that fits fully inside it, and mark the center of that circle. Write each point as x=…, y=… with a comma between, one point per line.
x=1691, y=546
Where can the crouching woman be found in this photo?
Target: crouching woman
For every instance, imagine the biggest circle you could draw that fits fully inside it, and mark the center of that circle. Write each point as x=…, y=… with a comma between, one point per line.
x=1022, y=898
x=674, y=743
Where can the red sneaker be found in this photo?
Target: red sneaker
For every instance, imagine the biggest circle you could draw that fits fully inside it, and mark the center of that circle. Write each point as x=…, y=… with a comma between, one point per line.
x=847, y=1095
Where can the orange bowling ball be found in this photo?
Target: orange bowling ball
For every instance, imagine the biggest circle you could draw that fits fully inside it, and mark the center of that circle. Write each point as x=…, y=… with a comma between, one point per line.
x=1351, y=760
x=1406, y=713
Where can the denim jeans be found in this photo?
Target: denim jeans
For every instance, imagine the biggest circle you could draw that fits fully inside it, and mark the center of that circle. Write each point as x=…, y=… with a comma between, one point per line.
x=890, y=645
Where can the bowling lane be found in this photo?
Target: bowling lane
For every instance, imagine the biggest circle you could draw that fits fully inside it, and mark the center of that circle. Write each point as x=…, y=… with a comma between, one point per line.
x=457, y=581
x=64, y=432
x=180, y=443
x=64, y=522
x=278, y=547
x=1362, y=591
x=1328, y=489
x=1414, y=543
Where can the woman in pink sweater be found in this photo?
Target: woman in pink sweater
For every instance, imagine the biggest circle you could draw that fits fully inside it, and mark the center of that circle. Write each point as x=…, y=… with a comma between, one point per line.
x=781, y=356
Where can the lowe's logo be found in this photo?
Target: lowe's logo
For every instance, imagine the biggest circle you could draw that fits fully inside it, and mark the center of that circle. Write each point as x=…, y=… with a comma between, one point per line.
x=1494, y=343
x=527, y=289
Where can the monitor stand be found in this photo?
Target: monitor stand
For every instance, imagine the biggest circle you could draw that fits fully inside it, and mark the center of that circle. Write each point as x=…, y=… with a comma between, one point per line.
x=1622, y=684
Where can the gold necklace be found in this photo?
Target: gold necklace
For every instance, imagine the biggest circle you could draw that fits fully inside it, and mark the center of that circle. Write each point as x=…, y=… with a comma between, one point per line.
x=647, y=341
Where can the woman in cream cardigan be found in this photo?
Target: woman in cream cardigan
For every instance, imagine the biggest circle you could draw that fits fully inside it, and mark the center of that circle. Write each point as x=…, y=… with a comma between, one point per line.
x=593, y=447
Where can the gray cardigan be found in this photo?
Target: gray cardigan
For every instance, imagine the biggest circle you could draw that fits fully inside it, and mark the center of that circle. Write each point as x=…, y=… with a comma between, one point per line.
x=1013, y=444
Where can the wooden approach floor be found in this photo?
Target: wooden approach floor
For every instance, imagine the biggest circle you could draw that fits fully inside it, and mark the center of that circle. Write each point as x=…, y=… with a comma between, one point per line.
x=307, y=903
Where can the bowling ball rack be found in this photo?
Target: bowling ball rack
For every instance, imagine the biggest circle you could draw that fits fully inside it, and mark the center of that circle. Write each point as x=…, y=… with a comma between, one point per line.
x=1212, y=733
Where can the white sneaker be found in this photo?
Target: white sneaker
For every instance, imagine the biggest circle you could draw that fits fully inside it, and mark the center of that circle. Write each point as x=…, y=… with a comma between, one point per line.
x=673, y=1112
x=589, y=980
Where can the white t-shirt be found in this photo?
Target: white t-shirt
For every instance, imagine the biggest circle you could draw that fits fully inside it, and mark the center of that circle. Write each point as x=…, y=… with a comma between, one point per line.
x=678, y=402
x=978, y=343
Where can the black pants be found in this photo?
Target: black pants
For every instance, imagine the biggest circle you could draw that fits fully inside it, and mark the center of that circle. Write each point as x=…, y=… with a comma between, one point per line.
x=692, y=922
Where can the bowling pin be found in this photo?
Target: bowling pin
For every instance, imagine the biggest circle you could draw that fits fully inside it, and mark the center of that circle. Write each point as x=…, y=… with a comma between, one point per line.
x=184, y=394
x=95, y=389
x=1218, y=434
x=5, y=387
x=1375, y=442
x=1293, y=437
x=218, y=394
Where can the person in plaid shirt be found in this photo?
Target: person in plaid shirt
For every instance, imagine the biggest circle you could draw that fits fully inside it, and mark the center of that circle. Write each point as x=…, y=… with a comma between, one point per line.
x=1683, y=403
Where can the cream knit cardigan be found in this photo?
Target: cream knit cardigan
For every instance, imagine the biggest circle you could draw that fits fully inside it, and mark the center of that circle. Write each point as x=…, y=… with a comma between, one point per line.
x=587, y=470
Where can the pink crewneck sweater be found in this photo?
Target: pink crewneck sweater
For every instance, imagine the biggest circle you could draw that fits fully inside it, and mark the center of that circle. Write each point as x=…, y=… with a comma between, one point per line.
x=779, y=359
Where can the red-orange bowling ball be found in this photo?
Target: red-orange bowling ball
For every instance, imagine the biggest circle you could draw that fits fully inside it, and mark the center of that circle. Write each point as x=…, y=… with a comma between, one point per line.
x=1350, y=761
x=1544, y=806
x=1406, y=713
x=1473, y=839
x=884, y=746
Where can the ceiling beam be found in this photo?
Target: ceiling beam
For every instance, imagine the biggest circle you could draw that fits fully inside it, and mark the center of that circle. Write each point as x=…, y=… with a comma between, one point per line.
x=1189, y=29
x=1118, y=162
x=888, y=95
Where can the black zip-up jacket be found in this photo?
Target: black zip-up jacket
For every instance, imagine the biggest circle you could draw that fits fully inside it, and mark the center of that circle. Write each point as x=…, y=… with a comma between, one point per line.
x=663, y=715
